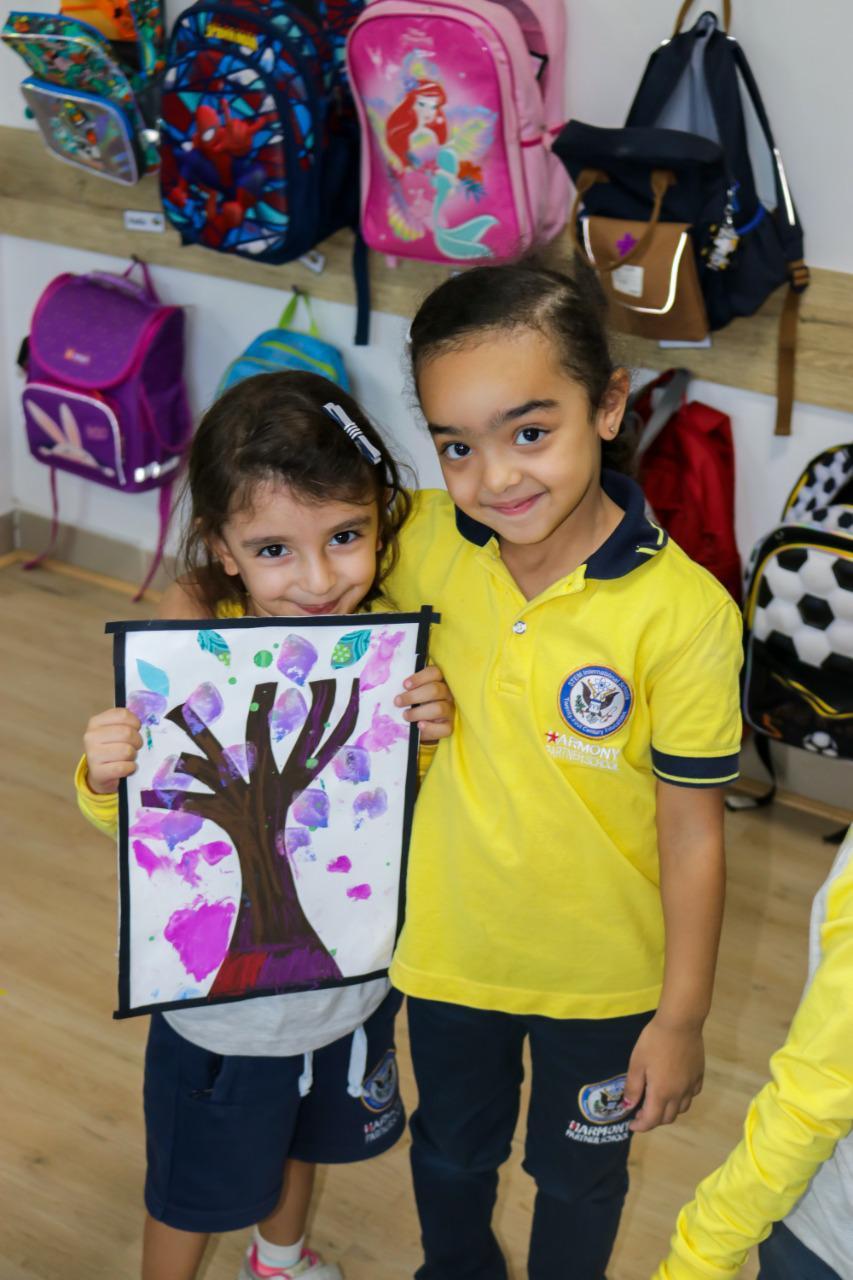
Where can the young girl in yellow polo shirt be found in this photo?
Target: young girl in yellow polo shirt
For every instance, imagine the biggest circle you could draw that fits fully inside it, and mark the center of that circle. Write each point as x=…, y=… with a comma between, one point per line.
x=566, y=873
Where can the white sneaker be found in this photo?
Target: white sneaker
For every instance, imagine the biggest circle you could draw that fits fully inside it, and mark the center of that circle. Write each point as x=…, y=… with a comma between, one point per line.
x=309, y=1265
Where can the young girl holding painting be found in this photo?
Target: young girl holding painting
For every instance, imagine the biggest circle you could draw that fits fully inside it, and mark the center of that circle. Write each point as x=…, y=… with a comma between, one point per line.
x=296, y=508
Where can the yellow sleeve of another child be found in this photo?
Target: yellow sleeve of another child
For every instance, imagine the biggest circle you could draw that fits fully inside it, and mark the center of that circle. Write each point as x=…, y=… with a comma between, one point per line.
x=101, y=811
x=791, y=1126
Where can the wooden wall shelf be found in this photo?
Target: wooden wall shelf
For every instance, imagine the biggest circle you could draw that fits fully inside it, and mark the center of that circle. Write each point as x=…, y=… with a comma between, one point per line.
x=43, y=199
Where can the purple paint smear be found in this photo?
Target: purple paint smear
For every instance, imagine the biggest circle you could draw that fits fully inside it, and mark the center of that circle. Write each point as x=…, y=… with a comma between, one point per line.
x=311, y=808
x=342, y=864
x=382, y=734
x=147, y=859
x=295, y=659
x=352, y=764
x=371, y=804
x=200, y=935
x=295, y=838
x=378, y=665
x=289, y=713
x=359, y=892
x=171, y=826
x=147, y=706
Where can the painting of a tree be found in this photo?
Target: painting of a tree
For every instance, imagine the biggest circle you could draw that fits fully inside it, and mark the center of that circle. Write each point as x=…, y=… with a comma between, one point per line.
x=273, y=943
x=263, y=836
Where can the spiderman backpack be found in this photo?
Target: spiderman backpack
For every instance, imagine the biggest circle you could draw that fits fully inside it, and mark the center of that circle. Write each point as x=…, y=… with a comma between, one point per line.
x=104, y=396
x=798, y=673
x=259, y=137
x=458, y=103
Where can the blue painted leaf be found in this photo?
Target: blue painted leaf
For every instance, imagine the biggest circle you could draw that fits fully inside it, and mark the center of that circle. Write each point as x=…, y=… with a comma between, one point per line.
x=350, y=648
x=153, y=678
x=213, y=642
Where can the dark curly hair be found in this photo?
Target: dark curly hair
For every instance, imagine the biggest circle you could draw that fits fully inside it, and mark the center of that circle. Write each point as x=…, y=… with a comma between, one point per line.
x=274, y=427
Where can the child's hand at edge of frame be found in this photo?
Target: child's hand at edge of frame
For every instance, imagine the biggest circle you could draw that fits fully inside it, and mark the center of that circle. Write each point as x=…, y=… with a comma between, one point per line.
x=111, y=742
x=665, y=1072
x=430, y=704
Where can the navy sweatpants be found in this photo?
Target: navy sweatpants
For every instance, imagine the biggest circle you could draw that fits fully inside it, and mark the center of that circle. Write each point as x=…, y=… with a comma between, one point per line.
x=468, y=1066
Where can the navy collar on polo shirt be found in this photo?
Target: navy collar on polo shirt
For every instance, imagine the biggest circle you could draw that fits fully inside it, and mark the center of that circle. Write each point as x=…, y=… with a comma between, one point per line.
x=630, y=544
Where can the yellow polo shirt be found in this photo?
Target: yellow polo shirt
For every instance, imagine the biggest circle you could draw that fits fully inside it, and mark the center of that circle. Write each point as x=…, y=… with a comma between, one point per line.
x=533, y=882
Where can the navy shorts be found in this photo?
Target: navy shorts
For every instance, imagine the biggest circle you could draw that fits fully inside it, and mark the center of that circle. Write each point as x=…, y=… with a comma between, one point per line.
x=219, y=1129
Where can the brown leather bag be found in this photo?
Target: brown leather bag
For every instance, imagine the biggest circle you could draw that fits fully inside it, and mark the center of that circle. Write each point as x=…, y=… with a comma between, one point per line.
x=647, y=269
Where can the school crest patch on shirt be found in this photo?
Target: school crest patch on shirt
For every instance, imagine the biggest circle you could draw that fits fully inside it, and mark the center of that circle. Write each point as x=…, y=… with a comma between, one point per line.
x=595, y=701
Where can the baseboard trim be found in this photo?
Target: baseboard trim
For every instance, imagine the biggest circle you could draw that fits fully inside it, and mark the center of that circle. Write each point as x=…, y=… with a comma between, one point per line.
x=108, y=558
x=7, y=532
x=793, y=800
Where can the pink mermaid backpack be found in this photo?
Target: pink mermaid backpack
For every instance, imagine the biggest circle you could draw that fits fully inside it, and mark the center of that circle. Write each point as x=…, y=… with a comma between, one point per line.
x=458, y=102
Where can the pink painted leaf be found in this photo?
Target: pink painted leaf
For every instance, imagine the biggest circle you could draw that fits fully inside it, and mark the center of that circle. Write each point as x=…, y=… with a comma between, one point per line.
x=200, y=934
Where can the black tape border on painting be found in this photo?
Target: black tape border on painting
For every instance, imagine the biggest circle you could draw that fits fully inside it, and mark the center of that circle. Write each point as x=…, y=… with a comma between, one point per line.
x=424, y=618
x=122, y=848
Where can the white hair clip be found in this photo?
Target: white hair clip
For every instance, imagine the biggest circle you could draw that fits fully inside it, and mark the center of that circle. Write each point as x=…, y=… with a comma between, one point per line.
x=355, y=433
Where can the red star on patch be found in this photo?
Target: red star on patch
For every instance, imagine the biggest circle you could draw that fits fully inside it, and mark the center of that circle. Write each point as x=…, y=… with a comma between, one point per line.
x=552, y=737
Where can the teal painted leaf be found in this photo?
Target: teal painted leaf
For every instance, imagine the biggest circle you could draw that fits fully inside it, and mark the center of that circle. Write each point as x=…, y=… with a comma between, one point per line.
x=350, y=648
x=153, y=678
x=213, y=642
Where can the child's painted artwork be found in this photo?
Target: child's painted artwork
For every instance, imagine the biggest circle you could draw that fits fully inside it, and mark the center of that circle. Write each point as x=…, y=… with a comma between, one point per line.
x=440, y=184
x=263, y=837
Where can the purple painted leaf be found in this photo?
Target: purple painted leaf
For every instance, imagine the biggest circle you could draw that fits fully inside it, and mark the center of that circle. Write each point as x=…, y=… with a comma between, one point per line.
x=186, y=868
x=170, y=825
x=378, y=665
x=215, y=851
x=296, y=657
x=200, y=935
x=311, y=808
x=167, y=778
x=371, y=803
x=359, y=892
x=383, y=733
x=147, y=859
x=147, y=706
x=288, y=714
x=203, y=707
x=342, y=864
x=352, y=764
x=238, y=762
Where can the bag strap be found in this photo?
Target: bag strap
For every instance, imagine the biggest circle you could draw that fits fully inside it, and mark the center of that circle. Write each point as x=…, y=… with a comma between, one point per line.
x=148, y=283
x=361, y=279
x=54, y=525
x=669, y=402
x=660, y=180
x=144, y=290
x=164, y=511
x=686, y=7
x=288, y=315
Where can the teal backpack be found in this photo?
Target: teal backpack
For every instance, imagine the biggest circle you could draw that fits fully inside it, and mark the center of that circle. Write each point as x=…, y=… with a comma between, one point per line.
x=283, y=348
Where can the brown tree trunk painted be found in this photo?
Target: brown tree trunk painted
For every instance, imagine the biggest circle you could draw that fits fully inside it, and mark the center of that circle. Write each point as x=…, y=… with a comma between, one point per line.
x=273, y=944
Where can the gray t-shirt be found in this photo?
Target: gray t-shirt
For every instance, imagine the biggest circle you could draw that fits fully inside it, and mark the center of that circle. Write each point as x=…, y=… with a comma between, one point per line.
x=280, y=1026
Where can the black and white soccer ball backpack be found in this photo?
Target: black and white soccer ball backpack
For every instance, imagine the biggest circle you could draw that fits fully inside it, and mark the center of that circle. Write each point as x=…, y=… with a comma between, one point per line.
x=798, y=673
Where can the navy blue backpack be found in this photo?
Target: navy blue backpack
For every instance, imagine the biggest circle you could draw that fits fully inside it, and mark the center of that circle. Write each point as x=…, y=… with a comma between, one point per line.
x=259, y=135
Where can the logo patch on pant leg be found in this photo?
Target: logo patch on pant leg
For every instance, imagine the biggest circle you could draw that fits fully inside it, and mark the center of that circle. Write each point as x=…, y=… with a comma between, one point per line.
x=380, y=1087
x=603, y=1103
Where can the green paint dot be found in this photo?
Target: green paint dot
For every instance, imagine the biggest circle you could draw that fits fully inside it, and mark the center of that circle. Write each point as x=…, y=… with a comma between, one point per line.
x=263, y=658
x=334, y=951
x=232, y=679
x=151, y=937
x=254, y=706
x=311, y=762
x=277, y=644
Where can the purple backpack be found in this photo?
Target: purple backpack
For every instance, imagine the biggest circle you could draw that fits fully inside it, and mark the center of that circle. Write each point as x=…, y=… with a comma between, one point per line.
x=105, y=397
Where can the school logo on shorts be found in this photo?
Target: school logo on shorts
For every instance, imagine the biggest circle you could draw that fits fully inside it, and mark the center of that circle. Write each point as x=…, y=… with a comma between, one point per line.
x=595, y=701
x=603, y=1103
x=380, y=1087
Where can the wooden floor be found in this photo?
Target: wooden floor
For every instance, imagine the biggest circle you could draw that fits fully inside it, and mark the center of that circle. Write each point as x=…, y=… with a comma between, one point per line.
x=71, y=1144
